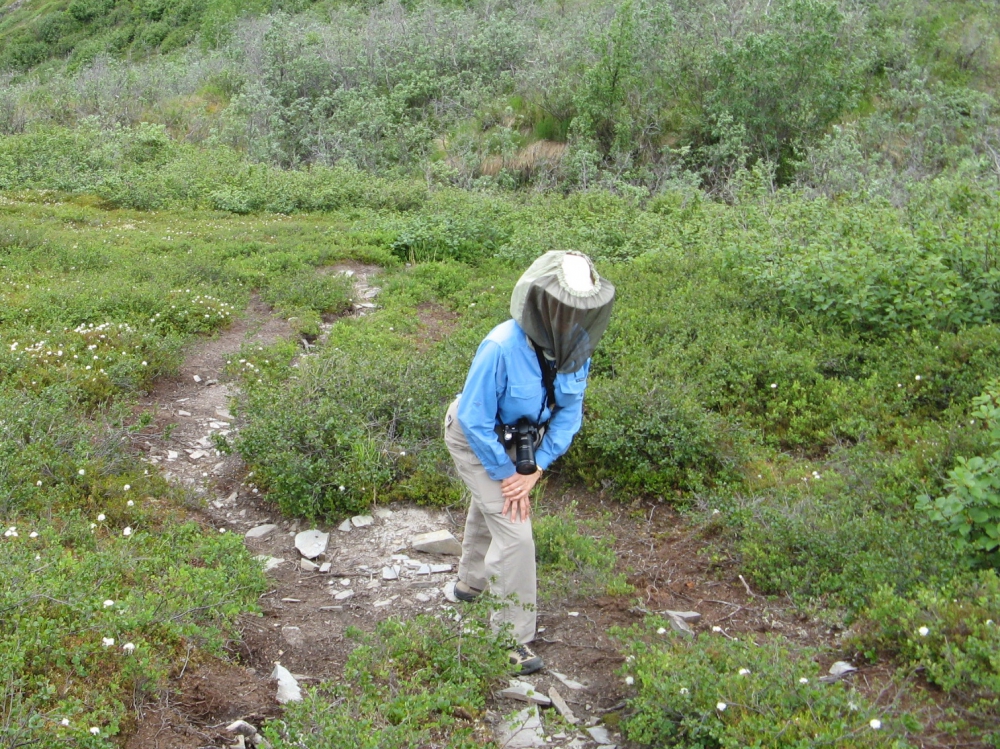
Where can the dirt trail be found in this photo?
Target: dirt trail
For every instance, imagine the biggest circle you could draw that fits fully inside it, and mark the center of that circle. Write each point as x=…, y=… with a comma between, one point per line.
x=307, y=610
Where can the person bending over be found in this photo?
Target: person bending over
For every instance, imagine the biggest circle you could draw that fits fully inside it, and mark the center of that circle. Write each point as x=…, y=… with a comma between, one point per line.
x=521, y=406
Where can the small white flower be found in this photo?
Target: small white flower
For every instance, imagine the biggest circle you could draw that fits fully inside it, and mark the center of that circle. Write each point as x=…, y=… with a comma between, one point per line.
x=65, y=721
x=127, y=487
x=100, y=518
x=11, y=532
x=803, y=680
x=342, y=487
x=402, y=453
x=127, y=531
x=684, y=690
x=661, y=631
x=38, y=483
x=720, y=706
x=130, y=503
x=128, y=648
x=774, y=385
x=107, y=641
x=918, y=379
x=109, y=603
x=95, y=730
x=629, y=680
x=923, y=631
x=852, y=706
x=715, y=512
x=744, y=671
x=33, y=534
x=145, y=364
x=716, y=628
x=81, y=472
x=875, y=723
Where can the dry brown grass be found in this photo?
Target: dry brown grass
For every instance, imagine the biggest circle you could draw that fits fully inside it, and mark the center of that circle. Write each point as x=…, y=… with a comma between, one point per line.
x=531, y=158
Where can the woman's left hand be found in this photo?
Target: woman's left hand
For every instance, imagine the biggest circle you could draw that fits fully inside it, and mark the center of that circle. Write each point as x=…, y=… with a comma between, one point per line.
x=516, y=491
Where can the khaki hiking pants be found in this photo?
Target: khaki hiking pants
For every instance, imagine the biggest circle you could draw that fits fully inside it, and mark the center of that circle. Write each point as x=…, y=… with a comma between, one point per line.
x=494, y=548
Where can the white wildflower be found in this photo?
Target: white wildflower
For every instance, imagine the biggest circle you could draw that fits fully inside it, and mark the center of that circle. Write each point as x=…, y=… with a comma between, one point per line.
x=720, y=706
x=128, y=648
x=100, y=518
x=33, y=534
x=81, y=471
x=684, y=690
x=875, y=723
x=716, y=628
x=109, y=603
x=923, y=631
x=130, y=503
x=128, y=531
x=661, y=631
x=629, y=680
x=127, y=487
x=65, y=721
x=95, y=730
x=107, y=641
x=803, y=680
x=744, y=671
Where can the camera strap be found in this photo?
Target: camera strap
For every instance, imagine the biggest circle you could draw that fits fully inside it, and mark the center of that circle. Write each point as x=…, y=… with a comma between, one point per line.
x=549, y=381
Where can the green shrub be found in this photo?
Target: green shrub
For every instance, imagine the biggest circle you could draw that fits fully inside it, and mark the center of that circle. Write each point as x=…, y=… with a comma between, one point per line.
x=971, y=509
x=407, y=684
x=715, y=691
x=950, y=632
x=573, y=557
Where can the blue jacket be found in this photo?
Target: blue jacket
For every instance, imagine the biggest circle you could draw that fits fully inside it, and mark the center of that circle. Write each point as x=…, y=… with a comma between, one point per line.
x=504, y=384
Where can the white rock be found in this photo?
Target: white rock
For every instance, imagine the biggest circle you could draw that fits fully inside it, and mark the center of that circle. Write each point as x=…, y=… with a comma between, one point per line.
x=522, y=730
x=422, y=597
x=680, y=625
x=288, y=687
x=269, y=562
x=436, y=568
x=261, y=531
x=242, y=728
x=293, y=636
x=390, y=573
x=360, y=521
x=686, y=615
x=197, y=455
x=560, y=704
x=345, y=581
x=311, y=543
x=172, y=454
x=437, y=542
x=600, y=735
x=196, y=378
x=424, y=569
x=308, y=566
x=525, y=692
x=344, y=595
x=567, y=682
x=384, y=602
x=841, y=667
x=224, y=413
x=449, y=591
x=183, y=413
x=383, y=513
x=325, y=567
x=346, y=526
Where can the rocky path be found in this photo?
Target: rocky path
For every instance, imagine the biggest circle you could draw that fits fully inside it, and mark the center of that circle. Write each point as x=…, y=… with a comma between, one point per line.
x=360, y=571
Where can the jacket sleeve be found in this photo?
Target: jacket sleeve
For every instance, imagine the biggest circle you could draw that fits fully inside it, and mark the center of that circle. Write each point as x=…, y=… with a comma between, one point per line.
x=567, y=420
x=477, y=410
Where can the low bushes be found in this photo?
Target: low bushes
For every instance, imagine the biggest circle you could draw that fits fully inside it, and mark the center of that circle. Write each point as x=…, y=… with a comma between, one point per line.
x=718, y=691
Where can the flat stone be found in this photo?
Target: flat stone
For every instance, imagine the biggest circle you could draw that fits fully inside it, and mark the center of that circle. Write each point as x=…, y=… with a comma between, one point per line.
x=383, y=513
x=183, y=413
x=685, y=615
x=269, y=562
x=198, y=455
x=308, y=566
x=449, y=592
x=224, y=413
x=346, y=526
x=525, y=692
x=680, y=625
x=390, y=573
x=325, y=567
x=242, y=728
x=382, y=603
x=344, y=595
x=360, y=521
x=196, y=378
x=293, y=636
x=437, y=542
x=436, y=568
x=568, y=682
x=311, y=543
x=600, y=735
x=172, y=454
x=424, y=569
x=523, y=730
x=841, y=667
x=423, y=597
x=345, y=581
x=560, y=704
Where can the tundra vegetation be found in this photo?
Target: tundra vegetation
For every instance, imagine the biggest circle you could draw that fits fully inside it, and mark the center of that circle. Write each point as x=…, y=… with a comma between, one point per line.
x=797, y=199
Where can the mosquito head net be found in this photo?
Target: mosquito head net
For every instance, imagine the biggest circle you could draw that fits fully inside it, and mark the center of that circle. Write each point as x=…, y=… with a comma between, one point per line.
x=564, y=307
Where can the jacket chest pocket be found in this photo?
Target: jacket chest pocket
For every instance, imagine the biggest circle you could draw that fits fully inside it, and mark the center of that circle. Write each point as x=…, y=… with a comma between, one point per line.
x=523, y=392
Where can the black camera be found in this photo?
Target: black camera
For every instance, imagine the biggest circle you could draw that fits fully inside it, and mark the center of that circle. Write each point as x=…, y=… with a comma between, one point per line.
x=524, y=436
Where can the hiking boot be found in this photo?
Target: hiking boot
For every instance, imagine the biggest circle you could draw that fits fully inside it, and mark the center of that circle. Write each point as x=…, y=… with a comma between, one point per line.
x=464, y=593
x=524, y=660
